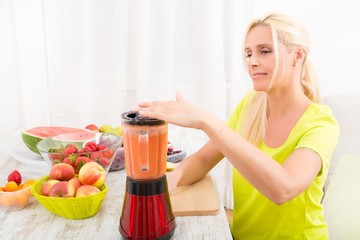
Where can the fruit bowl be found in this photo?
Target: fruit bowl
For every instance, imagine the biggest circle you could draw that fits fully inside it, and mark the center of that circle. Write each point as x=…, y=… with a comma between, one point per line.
x=76, y=150
x=17, y=199
x=73, y=207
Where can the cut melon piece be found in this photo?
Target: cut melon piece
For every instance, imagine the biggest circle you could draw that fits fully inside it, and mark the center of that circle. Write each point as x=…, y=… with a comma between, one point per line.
x=34, y=135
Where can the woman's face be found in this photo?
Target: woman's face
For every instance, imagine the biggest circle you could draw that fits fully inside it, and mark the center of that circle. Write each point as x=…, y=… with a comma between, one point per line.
x=260, y=57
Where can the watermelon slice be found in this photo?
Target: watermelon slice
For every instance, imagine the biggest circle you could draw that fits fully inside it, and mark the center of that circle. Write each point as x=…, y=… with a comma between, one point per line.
x=34, y=135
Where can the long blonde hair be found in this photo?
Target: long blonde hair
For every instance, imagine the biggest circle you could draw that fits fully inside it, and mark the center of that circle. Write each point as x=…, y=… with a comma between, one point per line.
x=292, y=34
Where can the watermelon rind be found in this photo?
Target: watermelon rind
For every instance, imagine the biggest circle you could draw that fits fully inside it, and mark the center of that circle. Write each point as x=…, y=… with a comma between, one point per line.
x=32, y=136
x=31, y=141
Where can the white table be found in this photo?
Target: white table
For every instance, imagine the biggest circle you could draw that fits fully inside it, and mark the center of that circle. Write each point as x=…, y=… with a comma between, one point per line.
x=35, y=222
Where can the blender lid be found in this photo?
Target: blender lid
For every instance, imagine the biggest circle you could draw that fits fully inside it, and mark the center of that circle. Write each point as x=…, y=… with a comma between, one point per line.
x=134, y=118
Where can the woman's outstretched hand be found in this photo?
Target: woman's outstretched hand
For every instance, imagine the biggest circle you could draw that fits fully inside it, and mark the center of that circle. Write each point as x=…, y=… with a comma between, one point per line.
x=179, y=112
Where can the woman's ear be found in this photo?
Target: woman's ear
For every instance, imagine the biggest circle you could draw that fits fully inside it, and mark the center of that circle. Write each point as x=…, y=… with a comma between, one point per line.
x=299, y=55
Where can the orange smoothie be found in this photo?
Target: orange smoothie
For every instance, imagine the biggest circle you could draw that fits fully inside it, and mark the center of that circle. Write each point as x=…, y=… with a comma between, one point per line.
x=145, y=149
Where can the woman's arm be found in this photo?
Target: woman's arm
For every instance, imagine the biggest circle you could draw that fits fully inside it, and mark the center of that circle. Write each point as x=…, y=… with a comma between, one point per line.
x=279, y=183
x=194, y=167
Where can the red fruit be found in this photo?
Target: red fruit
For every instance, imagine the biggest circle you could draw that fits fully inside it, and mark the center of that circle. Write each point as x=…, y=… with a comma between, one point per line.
x=86, y=190
x=95, y=155
x=80, y=161
x=70, y=160
x=92, y=146
x=70, y=149
x=108, y=153
x=102, y=147
x=56, y=157
x=62, y=172
x=92, y=127
x=92, y=173
x=62, y=189
x=15, y=176
x=104, y=161
x=85, y=150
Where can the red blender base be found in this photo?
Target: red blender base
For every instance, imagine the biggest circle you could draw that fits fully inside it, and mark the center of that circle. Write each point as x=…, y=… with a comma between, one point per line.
x=147, y=212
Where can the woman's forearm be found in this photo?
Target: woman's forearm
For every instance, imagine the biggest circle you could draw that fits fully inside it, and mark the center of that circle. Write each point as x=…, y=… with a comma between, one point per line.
x=196, y=166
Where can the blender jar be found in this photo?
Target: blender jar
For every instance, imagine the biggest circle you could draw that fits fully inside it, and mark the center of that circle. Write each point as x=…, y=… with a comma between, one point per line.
x=145, y=146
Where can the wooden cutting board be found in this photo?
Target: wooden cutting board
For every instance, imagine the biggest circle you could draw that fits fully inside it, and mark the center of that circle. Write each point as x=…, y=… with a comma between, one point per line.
x=198, y=199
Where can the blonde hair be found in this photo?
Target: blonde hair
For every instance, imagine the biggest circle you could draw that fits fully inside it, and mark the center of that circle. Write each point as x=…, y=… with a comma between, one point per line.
x=293, y=35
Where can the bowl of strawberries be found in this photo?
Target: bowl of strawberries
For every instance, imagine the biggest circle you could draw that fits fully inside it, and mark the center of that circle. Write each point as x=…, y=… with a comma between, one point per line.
x=79, y=148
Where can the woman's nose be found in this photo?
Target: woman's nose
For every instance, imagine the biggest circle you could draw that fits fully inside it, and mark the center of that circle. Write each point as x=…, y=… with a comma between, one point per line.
x=252, y=61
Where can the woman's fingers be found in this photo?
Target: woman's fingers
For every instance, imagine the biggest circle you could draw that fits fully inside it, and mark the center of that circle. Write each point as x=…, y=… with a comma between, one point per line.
x=179, y=97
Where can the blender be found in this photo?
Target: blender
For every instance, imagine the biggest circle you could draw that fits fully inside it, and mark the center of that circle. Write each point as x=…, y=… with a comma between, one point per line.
x=146, y=211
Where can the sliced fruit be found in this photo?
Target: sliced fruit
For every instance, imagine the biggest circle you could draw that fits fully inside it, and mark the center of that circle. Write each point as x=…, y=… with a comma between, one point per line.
x=78, y=136
x=34, y=135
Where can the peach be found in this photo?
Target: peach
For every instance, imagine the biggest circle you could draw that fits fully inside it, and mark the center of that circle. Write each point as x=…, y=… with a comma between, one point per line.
x=62, y=189
x=62, y=172
x=45, y=189
x=92, y=173
x=75, y=181
x=86, y=190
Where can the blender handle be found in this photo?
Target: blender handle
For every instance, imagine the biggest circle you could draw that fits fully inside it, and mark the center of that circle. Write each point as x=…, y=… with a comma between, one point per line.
x=144, y=151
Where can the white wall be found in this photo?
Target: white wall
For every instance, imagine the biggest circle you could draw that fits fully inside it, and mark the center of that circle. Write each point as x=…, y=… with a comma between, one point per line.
x=335, y=37
x=333, y=31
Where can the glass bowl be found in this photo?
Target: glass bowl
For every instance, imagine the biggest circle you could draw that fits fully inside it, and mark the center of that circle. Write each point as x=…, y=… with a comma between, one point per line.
x=119, y=161
x=78, y=148
x=19, y=199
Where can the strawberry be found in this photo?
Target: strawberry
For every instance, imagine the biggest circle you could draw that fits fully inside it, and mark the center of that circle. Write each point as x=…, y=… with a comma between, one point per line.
x=108, y=153
x=70, y=149
x=101, y=147
x=95, y=155
x=104, y=161
x=15, y=176
x=80, y=161
x=92, y=146
x=70, y=160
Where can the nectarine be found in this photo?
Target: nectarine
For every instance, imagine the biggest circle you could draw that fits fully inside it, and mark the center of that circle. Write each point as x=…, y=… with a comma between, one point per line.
x=92, y=173
x=62, y=172
x=86, y=190
x=75, y=181
x=45, y=189
x=62, y=189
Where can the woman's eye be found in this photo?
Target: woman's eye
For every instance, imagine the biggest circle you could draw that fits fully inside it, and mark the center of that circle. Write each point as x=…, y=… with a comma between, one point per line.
x=247, y=55
x=265, y=51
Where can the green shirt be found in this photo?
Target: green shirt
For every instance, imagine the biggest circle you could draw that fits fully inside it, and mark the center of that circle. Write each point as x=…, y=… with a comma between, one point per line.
x=255, y=216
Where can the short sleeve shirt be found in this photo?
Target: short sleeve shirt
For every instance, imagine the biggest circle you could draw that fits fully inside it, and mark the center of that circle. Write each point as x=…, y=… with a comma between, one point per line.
x=255, y=216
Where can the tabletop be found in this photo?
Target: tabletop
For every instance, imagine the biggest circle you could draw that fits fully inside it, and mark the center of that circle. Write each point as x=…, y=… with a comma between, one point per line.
x=35, y=222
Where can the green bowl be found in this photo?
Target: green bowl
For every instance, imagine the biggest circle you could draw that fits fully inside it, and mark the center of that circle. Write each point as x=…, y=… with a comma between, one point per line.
x=71, y=208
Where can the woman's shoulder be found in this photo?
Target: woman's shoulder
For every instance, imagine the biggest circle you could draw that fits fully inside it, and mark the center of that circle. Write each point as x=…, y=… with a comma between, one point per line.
x=320, y=113
x=319, y=109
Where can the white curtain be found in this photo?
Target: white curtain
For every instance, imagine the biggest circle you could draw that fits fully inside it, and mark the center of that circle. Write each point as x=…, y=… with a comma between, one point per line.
x=73, y=62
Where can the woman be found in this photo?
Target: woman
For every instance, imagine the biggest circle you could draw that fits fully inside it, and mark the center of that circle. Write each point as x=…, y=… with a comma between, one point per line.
x=279, y=139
